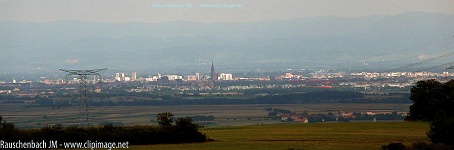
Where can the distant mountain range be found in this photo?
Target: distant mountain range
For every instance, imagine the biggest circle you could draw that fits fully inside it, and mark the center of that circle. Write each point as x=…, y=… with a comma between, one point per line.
x=361, y=42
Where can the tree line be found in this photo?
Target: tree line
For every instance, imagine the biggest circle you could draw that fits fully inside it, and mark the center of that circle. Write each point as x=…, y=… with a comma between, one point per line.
x=181, y=130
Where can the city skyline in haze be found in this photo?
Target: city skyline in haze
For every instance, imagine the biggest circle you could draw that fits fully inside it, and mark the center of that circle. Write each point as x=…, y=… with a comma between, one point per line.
x=184, y=35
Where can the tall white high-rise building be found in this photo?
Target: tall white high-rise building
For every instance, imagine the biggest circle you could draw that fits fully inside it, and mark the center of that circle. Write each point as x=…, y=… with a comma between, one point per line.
x=117, y=76
x=225, y=76
x=133, y=76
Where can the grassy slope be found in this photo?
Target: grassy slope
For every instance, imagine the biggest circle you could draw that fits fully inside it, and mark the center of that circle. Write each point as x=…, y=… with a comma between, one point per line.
x=307, y=136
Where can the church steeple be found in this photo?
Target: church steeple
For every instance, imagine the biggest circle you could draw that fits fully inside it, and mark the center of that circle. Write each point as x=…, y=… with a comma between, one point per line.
x=213, y=73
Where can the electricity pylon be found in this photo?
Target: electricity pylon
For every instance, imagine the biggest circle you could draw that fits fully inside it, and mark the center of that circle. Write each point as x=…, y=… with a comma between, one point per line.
x=83, y=99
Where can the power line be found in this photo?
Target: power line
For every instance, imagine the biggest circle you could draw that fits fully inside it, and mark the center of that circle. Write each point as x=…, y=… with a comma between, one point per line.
x=409, y=48
x=422, y=62
x=82, y=74
x=365, y=60
x=417, y=56
x=438, y=66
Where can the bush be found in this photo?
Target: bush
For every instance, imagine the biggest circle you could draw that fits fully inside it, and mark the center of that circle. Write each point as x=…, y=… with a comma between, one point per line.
x=428, y=146
x=416, y=146
x=442, y=131
x=184, y=131
x=165, y=119
x=393, y=146
x=116, y=124
x=8, y=131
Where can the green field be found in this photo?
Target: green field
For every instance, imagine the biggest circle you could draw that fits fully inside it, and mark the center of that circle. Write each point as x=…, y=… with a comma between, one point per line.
x=363, y=135
x=242, y=132
x=32, y=116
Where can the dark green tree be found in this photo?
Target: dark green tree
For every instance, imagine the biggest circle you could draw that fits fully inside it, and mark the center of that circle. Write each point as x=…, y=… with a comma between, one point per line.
x=434, y=101
x=186, y=123
x=442, y=130
x=393, y=146
x=426, y=96
x=165, y=119
x=8, y=131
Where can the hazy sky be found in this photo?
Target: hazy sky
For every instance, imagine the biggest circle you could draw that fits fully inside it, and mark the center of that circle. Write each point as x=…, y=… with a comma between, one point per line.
x=120, y=11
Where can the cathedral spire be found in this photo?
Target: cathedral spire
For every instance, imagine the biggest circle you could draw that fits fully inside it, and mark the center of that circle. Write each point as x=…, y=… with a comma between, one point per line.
x=213, y=73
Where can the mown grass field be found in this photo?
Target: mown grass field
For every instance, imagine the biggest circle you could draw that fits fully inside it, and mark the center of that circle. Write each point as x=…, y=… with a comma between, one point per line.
x=359, y=135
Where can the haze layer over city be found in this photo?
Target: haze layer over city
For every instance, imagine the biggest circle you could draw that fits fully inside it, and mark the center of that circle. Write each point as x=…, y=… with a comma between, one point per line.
x=181, y=65
x=149, y=37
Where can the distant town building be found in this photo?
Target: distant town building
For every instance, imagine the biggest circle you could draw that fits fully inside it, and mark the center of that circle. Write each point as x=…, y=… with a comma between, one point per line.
x=190, y=78
x=288, y=75
x=117, y=77
x=225, y=76
x=174, y=77
x=195, y=77
x=154, y=78
x=133, y=76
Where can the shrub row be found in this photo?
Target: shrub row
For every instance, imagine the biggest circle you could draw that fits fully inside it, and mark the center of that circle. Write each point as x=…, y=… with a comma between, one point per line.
x=135, y=135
